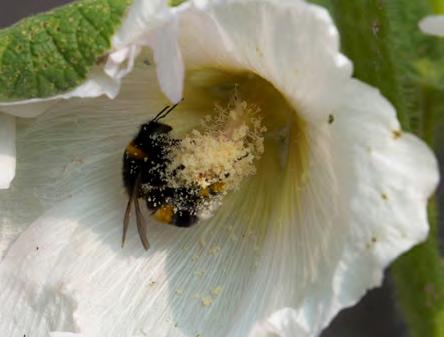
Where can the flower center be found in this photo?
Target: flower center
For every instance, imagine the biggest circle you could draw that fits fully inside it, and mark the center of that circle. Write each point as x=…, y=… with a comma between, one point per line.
x=280, y=164
x=230, y=127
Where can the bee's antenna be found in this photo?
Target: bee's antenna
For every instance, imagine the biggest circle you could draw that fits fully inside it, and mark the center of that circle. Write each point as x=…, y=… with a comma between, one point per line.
x=159, y=115
x=165, y=111
x=169, y=110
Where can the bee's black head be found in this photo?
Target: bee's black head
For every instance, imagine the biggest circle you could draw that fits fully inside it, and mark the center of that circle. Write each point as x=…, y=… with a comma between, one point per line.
x=152, y=128
x=153, y=137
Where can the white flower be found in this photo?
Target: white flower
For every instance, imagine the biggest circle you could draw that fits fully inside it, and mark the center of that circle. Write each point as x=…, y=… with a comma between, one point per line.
x=339, y=191
x=433, y=24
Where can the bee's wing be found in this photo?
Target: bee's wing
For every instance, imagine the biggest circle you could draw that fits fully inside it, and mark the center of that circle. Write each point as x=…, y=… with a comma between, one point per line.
x=141, y=225
x=126, y=218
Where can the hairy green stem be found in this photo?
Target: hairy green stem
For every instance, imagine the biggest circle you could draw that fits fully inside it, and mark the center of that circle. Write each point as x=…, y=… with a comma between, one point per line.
x=366, y=38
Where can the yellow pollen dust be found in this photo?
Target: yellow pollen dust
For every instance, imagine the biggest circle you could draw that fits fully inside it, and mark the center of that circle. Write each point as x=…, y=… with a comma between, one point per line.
x=216, y=291
x=217, y=158
x=206, y=301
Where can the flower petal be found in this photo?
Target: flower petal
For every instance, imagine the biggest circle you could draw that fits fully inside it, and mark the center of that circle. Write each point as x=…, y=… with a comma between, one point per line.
x=168, y=58
x=385, y=179
x=283, y=42
x=154, y=24
x=397, y=174
x=65, y=334
x=433, y=24
x=7, y=150
x=95, y=286
x=360, y=208
x=32, y=108
x=281, y=324
x=97, y=84
x=92, y=151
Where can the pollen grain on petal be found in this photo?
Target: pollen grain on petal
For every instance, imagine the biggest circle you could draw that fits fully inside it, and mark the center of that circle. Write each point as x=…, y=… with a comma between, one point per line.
x=396, y=134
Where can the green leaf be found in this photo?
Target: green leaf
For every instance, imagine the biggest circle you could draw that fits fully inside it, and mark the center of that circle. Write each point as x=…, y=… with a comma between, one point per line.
x=53, y=52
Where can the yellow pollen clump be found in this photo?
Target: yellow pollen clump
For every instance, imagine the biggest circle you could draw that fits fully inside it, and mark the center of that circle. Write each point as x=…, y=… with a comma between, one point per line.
x=220, y=156
x=216, y=188
x=165, y=214
x=205, y=192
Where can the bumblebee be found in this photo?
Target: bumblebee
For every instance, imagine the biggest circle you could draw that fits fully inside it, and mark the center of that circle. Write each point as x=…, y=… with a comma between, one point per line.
x=144, y=164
